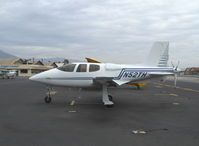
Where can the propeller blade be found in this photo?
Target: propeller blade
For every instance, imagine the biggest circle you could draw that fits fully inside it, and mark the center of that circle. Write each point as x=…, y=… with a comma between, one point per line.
x=175, y=71
x=177, y=66
x=178, y=63
x=172, y=64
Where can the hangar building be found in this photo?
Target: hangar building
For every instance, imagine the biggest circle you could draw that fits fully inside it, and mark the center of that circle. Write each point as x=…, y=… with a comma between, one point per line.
x=25, y=67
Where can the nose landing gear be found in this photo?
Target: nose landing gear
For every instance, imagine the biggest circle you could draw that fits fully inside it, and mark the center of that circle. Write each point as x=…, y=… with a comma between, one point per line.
x=48, y=98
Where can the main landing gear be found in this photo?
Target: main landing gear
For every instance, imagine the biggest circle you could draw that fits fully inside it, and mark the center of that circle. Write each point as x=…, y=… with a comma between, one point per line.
x=107, y=99
x=138, y=87
x=48, y=98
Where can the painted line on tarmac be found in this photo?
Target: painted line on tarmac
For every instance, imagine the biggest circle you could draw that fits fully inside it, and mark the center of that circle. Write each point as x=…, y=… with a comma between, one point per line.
x=176, y=103
x=72, y=102
x=182, y=88
x=72, y=111
x=158, y=86
x=84, y=103
x=176, y=95
x=166, y=94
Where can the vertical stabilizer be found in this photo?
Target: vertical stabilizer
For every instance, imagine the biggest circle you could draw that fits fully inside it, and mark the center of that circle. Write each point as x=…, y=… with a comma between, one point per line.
x=159, y=54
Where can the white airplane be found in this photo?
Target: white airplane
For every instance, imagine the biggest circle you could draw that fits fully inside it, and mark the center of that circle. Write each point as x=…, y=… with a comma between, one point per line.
x=104, y=75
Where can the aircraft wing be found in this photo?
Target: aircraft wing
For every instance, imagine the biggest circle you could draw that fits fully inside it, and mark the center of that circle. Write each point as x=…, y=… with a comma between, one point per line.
x=104, y=80
x=121, y=82
x=110, y=81
x=92, y=60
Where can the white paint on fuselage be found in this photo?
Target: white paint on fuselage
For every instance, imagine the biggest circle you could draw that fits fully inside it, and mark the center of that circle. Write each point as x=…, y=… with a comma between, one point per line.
x=57, y=77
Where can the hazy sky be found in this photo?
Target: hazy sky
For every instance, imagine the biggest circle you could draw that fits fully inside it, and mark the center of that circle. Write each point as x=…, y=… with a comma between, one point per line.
x=119, y=31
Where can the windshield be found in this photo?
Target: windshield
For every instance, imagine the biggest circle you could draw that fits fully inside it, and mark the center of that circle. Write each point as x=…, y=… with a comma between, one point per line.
x=67, y=68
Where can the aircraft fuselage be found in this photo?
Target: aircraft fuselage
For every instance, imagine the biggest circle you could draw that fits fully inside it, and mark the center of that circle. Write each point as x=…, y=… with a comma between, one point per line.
x=119, y=74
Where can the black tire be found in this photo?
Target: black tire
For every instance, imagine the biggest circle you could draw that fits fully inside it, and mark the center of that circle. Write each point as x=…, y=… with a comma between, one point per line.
x=47, y=99
x=138, y=87
x=110, y=106
x=110, y=97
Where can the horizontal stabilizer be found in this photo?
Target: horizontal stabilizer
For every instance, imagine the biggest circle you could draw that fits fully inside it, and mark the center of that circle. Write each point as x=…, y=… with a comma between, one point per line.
x=160, y=73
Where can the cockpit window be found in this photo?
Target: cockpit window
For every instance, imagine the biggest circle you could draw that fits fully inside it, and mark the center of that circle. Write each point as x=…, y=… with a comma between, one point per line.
x=67, y=68
x=82, y=68
x=94, y=68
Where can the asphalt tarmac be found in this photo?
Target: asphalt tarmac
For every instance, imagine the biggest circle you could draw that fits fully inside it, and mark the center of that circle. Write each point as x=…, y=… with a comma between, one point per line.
x=156, y=115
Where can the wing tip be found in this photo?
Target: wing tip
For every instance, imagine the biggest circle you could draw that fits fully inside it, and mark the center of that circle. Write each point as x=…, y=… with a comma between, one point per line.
x=91, y=60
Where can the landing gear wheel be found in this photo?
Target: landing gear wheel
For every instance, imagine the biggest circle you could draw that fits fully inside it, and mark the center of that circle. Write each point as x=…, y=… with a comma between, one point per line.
x=138, y=87
x=110, y=106
x=110, y=97
x=47, y=99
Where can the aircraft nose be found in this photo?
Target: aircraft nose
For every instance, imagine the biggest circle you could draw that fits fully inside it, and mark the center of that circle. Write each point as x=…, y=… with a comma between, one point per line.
x=34, y=78
x=44, y=76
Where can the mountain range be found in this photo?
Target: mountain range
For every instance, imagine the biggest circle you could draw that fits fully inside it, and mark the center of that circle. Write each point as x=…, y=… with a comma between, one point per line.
x=56, y=59
x=6, y=55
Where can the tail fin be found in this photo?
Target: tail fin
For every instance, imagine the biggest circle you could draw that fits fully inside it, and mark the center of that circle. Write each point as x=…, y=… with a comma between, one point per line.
x=159, y=55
